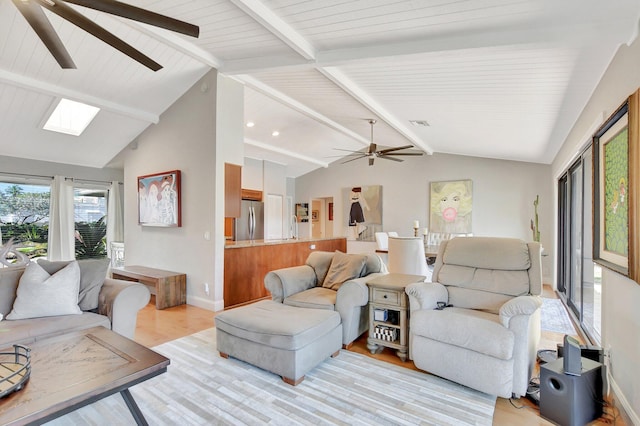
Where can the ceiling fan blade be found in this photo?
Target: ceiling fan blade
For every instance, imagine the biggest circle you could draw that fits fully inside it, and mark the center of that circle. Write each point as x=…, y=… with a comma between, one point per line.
x=79, y=20
x=35, y=16
x=371, y=160
x=356, y=158
x=343, y=156
x=400, y=153
x=347, y=150
x=386, y=157
x=124, y=10
x=398, y=148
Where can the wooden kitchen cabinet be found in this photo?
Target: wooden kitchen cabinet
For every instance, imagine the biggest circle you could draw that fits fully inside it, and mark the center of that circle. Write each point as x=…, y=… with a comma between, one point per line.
x=232, y=189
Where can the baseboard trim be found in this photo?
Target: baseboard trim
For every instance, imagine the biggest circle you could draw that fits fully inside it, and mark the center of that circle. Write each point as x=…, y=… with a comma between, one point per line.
x=626, y=410
x=210, y=305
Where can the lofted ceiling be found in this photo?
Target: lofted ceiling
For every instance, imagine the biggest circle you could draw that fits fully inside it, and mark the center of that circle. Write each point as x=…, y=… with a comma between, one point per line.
x=492, y=78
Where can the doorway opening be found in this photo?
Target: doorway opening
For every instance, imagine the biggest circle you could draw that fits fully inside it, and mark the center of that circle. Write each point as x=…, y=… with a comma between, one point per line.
x=321, y=217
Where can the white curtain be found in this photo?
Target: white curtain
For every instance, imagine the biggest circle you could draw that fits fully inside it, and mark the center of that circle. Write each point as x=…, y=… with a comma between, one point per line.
x=115, y=216
x=61, y=244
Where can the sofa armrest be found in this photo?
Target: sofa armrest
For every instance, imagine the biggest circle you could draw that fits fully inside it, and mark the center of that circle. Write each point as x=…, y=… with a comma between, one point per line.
x=521, y=305
x=352, y=300
x=284, y=282
x=354, y=293
x=120, y=301
x=424, y=296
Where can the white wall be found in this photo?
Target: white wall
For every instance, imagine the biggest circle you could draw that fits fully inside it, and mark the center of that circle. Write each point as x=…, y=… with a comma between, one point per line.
x=184, y=139
x=253, y=174
x=503, y=194
x=620, y=296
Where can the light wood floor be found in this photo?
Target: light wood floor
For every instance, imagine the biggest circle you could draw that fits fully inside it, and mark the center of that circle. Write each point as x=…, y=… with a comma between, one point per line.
x=159, y=326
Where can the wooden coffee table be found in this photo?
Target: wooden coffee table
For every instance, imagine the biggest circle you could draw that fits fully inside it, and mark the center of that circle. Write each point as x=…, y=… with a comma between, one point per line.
x=77, y=369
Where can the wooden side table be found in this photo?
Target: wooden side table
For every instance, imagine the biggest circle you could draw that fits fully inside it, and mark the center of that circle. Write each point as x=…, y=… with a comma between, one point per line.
x=388, y=313
x=170, y=287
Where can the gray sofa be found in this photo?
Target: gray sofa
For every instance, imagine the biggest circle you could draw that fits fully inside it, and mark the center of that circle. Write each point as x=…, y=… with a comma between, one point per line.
x=487, y=336
x=118, y=305
x=306, y=286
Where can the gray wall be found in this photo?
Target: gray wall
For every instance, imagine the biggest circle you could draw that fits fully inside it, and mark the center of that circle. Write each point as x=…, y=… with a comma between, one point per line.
x=620, y=295
x=503, y=194
x=185, y=140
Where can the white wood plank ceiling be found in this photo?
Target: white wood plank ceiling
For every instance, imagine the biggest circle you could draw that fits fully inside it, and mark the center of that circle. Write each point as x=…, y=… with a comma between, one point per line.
x=493, y=78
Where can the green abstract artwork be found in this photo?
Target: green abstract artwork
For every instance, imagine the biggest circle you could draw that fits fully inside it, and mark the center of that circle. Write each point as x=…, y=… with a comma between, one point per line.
x=616, y=178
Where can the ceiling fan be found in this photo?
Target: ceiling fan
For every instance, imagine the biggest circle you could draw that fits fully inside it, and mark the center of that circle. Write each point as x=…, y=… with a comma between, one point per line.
x=373, y=152
x=35, y=16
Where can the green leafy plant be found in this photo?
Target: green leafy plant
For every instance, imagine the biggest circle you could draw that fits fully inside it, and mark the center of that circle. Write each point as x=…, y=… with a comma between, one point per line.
x=91, y=239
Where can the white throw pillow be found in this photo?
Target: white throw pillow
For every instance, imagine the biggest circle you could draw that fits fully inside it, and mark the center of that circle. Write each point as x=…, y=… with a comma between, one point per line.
x=42, y=295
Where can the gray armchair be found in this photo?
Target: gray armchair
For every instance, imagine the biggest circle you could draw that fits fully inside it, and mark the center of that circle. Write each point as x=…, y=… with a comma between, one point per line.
x=302, y=286
x=487, y=336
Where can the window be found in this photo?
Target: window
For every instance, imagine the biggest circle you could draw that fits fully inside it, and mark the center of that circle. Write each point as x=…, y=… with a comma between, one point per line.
x=24, y=216
x=90, y=211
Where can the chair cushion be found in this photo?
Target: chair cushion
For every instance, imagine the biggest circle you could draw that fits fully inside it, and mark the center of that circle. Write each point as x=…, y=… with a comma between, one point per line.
x=9, y=279
x=343, y=267
x=277, y=325
x=320, y=261
x=40, y=294
x=509, y=254
x=473, y=330
x=513, y=283
x=372, y=265
x=316, y=298
x=92, y=275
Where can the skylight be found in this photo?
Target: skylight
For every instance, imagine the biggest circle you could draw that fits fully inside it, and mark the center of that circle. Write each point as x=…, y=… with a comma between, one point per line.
x=70, y=117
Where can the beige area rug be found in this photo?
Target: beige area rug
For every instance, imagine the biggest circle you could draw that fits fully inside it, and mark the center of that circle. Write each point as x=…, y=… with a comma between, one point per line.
x=201, y=388
x=554, y=317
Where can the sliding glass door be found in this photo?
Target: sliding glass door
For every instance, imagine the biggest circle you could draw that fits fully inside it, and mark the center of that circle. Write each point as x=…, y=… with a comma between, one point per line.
x=578, y=276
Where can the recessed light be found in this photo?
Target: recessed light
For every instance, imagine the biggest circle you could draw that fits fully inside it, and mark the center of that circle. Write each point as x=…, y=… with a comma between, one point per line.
x=70, y=117
x=421, y=123
x=275, y=133
x=250, y=124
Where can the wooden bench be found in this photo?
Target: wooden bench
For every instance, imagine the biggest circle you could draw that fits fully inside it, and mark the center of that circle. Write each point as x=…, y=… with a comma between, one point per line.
x=170, y=287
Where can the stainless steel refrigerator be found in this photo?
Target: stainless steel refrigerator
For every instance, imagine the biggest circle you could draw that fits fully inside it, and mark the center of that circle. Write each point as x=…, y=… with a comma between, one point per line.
x=250, y=224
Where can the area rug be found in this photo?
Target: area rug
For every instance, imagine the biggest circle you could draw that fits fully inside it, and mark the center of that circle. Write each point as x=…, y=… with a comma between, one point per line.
x=202, y=388
x=555, y=318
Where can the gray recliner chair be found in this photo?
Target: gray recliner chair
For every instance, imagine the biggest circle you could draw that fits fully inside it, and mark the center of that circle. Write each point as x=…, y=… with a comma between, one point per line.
x=486, y=336
x=307, y=286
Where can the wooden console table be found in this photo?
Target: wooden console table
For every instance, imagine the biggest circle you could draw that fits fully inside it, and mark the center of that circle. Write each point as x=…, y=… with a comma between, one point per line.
x=170, y=287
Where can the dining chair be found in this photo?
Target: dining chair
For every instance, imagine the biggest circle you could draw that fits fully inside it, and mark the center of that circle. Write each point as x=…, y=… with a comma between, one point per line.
x=407, y=256
x=382, y=240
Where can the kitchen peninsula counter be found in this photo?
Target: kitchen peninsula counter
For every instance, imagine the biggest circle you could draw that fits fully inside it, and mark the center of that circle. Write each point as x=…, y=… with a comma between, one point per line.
x=247, y=262
x=253, y=243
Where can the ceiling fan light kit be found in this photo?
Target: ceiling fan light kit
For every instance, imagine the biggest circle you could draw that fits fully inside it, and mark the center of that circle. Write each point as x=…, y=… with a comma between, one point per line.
x=35, y=16
x=373, y=152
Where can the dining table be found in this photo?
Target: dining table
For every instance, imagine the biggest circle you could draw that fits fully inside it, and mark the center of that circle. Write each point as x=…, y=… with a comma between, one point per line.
x=430, y=251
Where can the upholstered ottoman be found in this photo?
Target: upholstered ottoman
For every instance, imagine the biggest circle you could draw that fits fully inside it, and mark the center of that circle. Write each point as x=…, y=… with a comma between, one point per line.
x=282, y=339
